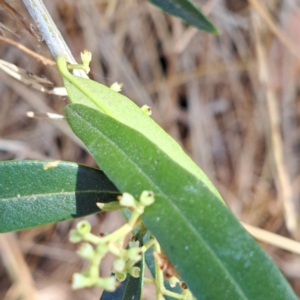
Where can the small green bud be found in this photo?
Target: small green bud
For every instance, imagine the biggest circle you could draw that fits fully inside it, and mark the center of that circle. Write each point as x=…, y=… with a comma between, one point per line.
x=79, y=281
x=108, y=283
x=121, y=276
x=86, y=58
x=83, y=227
x=117, y=87
x=75, y=236
x=134, y=244
x=146, y=198
x=116, y=249
x=173, y=281
x=134, y=254
x=147, y=110
x=135, y=272
x=119, y=265
x=127, y=200
x=86, y=250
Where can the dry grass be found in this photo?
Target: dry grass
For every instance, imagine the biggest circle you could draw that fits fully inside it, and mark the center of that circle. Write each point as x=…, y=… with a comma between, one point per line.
x=232, y=101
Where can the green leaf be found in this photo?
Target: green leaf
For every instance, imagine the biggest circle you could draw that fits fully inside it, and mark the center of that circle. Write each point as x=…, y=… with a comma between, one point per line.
x=95, y=95
x=212, y=252
x=188, y=12
x=32, y=196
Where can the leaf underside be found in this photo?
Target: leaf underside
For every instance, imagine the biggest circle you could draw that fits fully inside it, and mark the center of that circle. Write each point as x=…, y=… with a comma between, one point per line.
x=214, y=255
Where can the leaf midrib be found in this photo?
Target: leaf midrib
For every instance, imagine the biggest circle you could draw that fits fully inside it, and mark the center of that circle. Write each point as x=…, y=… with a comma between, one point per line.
x=58, y=193
x=193, y=229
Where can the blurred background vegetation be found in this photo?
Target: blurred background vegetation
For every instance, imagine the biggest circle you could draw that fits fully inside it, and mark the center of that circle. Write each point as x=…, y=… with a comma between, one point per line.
x=231, y=101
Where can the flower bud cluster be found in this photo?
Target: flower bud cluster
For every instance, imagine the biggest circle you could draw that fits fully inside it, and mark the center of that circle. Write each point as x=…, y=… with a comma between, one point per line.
x=94, y=248
x=82, y=229
x=146, y=199
x=125, y=263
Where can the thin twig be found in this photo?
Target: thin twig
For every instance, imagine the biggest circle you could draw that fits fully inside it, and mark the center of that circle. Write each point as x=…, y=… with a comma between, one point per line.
x=44, y=60
x=31, y=80
x=282, y=36
x=17, y=267
x=20, y=19
x=188, y=35
x=49, y=32
x=273, y=239
x=34, y=100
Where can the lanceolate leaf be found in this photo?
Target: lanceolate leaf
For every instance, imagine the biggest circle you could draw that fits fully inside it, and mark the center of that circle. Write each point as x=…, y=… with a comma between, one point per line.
x=187, y=11
x=211, y=251
x=35, y=193
x=95, y=95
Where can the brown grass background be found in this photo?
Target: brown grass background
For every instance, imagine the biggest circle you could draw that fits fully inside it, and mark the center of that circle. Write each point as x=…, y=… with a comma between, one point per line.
x=232, y=101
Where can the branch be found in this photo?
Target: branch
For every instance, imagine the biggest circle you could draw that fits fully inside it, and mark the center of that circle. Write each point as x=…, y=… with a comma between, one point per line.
x=50, y=32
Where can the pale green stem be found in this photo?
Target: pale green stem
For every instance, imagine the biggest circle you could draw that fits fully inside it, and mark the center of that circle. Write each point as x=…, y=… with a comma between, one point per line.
x=159, y=279
x=173, y=295
x=134, y=217
x=115, y=250
x=148, y=245
x=149, y=280
x=116, y=235
x=79, y=67
x=94, y=266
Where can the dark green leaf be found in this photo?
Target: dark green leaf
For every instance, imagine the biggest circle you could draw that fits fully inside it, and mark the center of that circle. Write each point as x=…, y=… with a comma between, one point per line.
x=187, y=11
x=95, y=95
x=31, y=196
x=212, y=252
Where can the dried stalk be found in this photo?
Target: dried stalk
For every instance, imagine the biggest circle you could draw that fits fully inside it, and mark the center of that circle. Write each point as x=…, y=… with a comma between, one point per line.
x=282, y=180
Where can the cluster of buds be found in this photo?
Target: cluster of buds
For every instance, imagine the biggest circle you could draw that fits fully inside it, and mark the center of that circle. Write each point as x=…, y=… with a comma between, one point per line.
x=125, y=264
x=94, y=254
x=94, y=248
x=146, y=199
